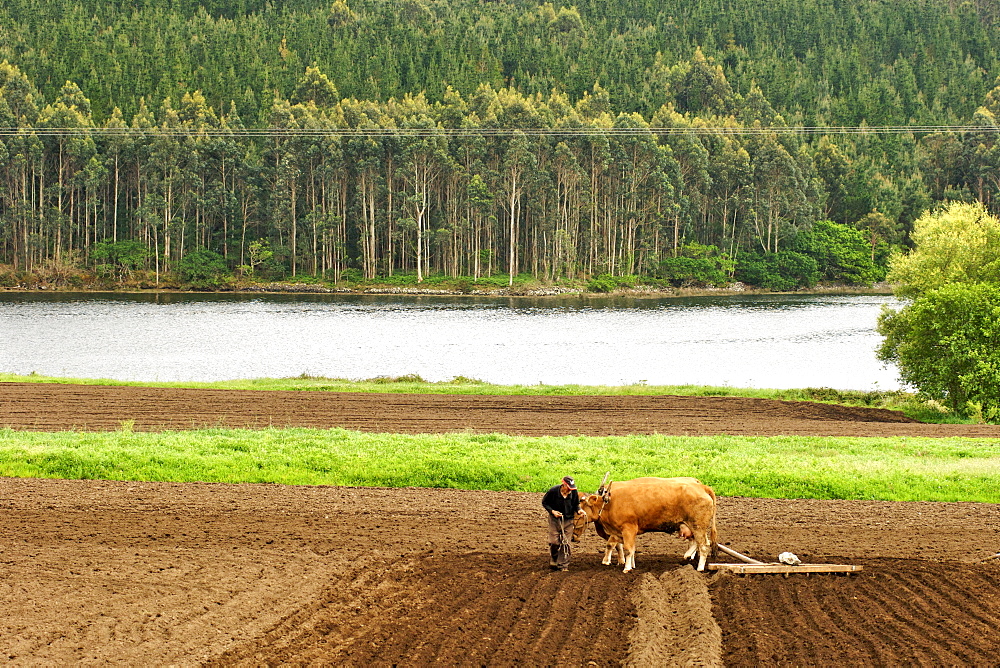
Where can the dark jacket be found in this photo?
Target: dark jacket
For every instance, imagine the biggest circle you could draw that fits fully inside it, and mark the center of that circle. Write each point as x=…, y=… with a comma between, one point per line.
x=553, y=500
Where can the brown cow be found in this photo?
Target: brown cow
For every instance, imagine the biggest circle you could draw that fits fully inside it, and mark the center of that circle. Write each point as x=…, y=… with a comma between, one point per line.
x=629, y=508
x=580, y=526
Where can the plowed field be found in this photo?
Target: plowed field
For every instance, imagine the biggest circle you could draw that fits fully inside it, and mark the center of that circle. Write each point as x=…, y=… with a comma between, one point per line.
x=49, y=407
x=96, y=572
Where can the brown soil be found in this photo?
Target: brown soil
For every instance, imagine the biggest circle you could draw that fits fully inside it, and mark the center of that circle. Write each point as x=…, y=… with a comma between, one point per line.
x=49, y=407
x=97, y=572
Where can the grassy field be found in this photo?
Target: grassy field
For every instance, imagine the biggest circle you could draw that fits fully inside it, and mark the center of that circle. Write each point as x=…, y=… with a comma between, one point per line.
x=893, y=469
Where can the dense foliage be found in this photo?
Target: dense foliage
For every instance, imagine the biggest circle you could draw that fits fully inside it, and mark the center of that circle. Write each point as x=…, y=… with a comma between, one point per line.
x=959, y=243
x=946, y=341
x=657, y=138
x=884, y=62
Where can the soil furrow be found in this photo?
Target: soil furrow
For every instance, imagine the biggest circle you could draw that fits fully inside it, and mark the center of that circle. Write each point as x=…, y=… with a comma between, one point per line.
x=102, y=572
x=918, y=601
x=43, y=406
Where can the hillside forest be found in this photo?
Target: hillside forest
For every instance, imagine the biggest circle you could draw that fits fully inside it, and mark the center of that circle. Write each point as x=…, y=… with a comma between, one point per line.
x=782, y=144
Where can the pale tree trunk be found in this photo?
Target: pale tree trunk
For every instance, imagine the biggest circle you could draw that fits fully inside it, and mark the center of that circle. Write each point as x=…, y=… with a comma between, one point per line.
x=512, y=250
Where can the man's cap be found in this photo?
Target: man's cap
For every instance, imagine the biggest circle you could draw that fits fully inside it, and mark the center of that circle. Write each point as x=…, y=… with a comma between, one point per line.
x=569, y=481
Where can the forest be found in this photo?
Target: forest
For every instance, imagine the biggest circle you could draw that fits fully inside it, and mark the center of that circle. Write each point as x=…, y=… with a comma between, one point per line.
x=782, y=144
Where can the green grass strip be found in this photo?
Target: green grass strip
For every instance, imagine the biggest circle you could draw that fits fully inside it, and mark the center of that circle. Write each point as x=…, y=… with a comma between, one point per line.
x=893, y=469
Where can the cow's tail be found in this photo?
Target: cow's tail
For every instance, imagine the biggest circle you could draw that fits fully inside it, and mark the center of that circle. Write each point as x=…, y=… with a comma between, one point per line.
x=713, y=536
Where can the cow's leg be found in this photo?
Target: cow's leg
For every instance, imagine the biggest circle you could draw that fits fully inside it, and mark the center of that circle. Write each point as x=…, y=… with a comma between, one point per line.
x=628, y=538
x=614, y=546
x=608, y=548
x=684, y=531
x=703, y=545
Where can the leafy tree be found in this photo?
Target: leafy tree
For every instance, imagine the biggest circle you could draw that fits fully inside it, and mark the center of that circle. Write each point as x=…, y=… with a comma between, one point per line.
x=696, y=265
x=782, y=271
x=316, y=87
x=878, y=230
x=120, y=257
x=260, y=256
x=202, y=268
x=841, y=253
x=957, y=243
x=700, y=86
x=340, y=15
x=947, y=344
x=566, y=20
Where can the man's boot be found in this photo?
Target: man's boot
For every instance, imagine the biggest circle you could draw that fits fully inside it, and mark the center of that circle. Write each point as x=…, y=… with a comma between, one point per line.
x=553, y=556
x=562, y=557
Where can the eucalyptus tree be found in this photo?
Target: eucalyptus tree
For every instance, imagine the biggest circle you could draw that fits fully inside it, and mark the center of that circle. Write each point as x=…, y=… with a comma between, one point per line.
x=173, y=178
x=479, y=200
x=569, y=180
x=688, y=150
x=779, y=191
x=424, y=159
x=982, y=158
x=225, y=165
x=639, y=175
x=291, y=158
x=518, y=162
x=471, y=211
x=115, y=149
x=366, y=154
x=140, y=179
x=596, y=161
x=202, y=174
x=68, y=153
x=371, y=163
x=730, y=173
x=23, y=168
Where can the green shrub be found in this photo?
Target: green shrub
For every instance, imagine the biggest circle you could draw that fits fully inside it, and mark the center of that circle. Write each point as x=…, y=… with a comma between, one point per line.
x=609, y=283
x=349, y=275
x=8, y=278
x=202, y=268
x=118, y=259
x=781, y=271
x=680, y=271
x=842, y=253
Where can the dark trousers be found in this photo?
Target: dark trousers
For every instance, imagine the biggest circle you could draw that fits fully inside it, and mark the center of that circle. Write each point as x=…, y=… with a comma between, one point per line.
x=559, y=557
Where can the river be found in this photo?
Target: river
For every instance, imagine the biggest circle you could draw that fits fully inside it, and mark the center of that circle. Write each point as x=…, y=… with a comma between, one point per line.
x=777, y=341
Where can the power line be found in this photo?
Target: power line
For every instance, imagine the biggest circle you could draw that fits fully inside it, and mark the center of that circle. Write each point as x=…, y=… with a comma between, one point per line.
x=490, y=132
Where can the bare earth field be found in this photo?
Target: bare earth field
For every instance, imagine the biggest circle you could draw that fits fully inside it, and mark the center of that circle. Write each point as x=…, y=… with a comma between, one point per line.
x=96, y=572
x=52, y=407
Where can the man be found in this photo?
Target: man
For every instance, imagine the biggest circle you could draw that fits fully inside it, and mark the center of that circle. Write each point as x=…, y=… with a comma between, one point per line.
x=561, y=504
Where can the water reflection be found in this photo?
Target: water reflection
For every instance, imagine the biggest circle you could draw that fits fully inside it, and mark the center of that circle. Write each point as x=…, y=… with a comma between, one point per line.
x=763, y=341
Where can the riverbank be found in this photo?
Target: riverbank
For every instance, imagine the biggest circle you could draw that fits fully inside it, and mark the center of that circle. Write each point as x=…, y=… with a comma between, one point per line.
x=279, y=287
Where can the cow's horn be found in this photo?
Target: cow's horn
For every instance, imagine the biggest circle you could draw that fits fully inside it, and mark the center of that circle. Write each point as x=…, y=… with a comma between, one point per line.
x=601, y=488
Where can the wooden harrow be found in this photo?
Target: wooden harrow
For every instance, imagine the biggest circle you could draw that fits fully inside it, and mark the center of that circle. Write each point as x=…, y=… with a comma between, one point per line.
x=753, y=566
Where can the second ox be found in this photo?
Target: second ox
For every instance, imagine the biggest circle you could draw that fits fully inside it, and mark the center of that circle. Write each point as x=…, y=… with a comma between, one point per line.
x=614, y=545
x=623, y=510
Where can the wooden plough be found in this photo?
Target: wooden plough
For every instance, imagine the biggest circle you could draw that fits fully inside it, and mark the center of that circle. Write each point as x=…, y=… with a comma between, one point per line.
x=753, y=566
